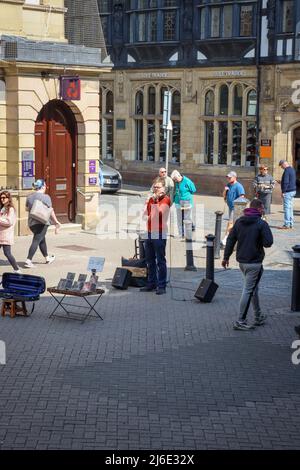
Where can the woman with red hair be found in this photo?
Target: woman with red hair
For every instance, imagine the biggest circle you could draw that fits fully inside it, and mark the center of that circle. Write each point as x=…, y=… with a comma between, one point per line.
x=7, y=224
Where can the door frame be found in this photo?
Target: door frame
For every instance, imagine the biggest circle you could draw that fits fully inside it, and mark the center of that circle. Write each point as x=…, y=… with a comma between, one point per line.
x=69, y=116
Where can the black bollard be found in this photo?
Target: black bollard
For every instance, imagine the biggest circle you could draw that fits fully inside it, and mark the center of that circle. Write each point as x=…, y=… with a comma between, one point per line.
x=218, y=228
x=210, y=262
x=189, y=246
x=141, y=247
x=295, y=307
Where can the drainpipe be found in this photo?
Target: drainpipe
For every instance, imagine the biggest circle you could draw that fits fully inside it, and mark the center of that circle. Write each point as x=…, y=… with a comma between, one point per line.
x=258, y=85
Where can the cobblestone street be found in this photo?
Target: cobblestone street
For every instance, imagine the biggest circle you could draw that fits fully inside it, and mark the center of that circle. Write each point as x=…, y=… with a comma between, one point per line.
x=156, y=373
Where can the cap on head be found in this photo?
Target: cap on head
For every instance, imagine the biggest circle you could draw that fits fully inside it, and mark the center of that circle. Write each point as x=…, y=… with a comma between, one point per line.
x=38, y=184
x=232, y=174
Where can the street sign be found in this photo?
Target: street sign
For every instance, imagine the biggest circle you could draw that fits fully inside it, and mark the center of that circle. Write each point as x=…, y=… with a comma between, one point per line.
x=167, y=109
x=265, y=148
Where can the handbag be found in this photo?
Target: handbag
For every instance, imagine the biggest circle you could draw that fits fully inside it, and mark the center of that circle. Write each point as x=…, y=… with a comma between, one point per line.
x=40, y=211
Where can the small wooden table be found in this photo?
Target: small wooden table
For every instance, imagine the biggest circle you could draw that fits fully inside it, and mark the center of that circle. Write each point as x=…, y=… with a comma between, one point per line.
x=62, y=294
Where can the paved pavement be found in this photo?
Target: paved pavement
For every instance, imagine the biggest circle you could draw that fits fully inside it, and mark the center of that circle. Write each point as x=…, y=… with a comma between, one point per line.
x=156, y=373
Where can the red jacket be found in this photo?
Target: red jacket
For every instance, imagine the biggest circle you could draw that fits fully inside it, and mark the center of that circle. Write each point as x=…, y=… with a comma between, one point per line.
x=158, y=213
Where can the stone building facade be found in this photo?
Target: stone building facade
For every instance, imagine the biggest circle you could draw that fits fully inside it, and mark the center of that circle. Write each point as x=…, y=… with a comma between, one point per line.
x=216, y=57
x=49, y=111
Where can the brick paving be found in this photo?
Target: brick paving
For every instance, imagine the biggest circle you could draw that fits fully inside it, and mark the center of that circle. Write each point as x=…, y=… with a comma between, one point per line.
x=156, y=373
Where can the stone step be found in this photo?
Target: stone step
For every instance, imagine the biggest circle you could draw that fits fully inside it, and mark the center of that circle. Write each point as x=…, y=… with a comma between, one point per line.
x=69, y=227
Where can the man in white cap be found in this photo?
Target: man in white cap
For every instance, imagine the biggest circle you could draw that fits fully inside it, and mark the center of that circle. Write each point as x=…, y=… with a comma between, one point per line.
x=232, y=191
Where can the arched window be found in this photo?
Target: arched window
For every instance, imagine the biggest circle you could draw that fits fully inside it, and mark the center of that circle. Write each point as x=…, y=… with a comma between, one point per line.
x=151, y=100
x=2, y=90
x=224, y=100
x=209, y=103
x=238, y=100
x=106, y=124
x=139, y=103
x=109, y=103
x=176, y=103
x=251, y=103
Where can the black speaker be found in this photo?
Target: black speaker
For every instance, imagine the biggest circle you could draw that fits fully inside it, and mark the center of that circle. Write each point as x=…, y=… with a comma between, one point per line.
x=121, y=278
x=206, y=290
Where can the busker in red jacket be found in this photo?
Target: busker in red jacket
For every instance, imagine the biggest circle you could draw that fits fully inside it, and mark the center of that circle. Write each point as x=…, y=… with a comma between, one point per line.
x=157, y=211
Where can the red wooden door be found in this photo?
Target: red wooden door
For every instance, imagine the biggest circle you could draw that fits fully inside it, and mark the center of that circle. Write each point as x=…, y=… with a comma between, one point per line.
x=55, y=157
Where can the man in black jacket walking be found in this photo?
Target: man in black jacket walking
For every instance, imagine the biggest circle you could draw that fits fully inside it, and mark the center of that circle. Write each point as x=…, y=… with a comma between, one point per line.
x=252, y=235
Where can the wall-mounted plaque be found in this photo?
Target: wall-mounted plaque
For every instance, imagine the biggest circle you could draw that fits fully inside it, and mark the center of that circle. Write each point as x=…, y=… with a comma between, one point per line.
x=92, y=166
x=92, y=181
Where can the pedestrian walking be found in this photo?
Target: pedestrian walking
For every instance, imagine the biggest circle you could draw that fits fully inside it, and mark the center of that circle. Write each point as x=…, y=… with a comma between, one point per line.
x=169, y=184
x=263, y=185
x=288, y=192
x=183, y=199
x=7, y=223
x=157, y=212
x=38, y=228
x=232, y=191
x=252, y=235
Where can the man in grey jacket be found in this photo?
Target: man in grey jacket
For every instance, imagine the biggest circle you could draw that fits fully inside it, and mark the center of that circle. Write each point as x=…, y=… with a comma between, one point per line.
x=169, y=184
x=263, y=185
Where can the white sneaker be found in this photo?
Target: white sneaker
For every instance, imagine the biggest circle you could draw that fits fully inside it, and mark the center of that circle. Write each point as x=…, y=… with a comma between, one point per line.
x=18, y=271
x=29, y=264
x=50, y=259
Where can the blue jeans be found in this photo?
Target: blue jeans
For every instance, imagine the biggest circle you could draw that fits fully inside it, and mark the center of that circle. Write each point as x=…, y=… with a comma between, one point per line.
x=288, y=202
x=155, y=251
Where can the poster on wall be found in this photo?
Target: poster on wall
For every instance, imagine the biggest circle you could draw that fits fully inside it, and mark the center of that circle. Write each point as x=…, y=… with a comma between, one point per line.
x=27, y=157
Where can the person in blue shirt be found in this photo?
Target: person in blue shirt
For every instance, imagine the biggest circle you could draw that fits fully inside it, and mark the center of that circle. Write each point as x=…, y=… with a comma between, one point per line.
x=232, y=191
x=288, y=192
x=183, y=199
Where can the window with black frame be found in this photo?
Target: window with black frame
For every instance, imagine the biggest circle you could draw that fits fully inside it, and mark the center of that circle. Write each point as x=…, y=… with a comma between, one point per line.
x=153, y=20
x=287, y=16
x=149, y=120
x=219, y=20
x=231, y=130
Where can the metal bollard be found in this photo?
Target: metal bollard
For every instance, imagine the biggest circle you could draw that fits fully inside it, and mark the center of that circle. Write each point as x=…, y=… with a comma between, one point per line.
x=218, y=228
x=189, y=246
x=295, y=307
x=210, y=262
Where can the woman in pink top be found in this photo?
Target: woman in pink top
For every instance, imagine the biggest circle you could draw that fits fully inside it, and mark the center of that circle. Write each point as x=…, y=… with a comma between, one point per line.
x=7, y=223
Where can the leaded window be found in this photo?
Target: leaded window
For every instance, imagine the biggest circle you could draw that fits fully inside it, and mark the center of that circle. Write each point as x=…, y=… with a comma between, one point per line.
x=232, y=132
x=151, y=100
x=224, y=100
x=287, y=16
x=169, y=25
x=251, y=103
x=209, y=142
x=139, y=103
x=238, y=100
x=223, y=141
x=246, y=20
x=176, y=103
x=209, y=103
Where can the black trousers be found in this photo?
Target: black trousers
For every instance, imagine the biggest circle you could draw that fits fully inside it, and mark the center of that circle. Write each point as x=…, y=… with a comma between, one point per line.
x=9, y=256
x=39, y=240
